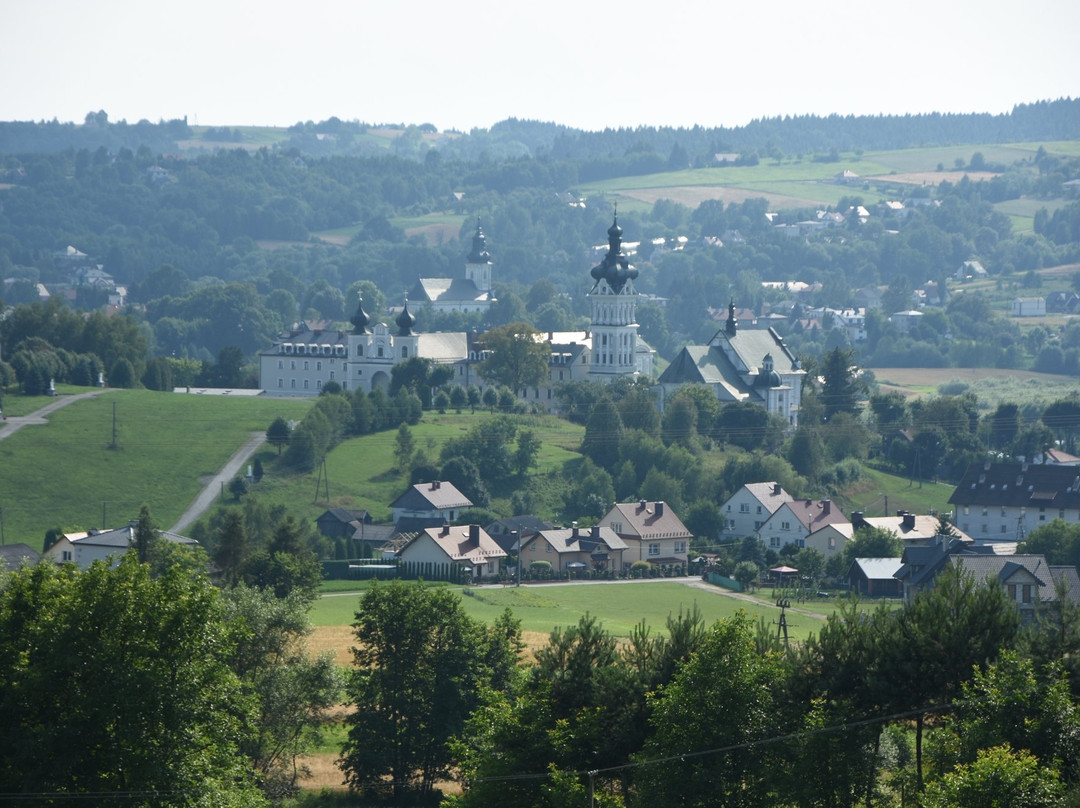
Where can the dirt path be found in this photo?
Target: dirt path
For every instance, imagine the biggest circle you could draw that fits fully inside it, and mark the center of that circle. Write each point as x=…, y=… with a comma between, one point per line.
x=14, y=423
x=215, y=486
x=705, y=586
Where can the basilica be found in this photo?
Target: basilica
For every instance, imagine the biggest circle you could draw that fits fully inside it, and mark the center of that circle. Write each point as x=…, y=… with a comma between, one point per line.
x=737, y=365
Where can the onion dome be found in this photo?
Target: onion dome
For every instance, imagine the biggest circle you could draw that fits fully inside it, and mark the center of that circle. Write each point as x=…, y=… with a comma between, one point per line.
x=360, y=318
x=405, y=321
x=479, y=253
x=615, y=268
x=767, y=377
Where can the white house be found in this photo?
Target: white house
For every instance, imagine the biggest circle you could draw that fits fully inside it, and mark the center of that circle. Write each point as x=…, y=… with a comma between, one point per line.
x=1006, y=501
x=428, y=505
x=465, y=546
x=84, y=548
x=795, y=520
x=750, y=507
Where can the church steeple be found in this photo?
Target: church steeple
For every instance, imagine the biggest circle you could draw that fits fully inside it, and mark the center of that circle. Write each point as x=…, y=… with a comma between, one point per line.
x=360, y=318
x=478, y=262
x=479, y=253
x=614, y=312
x=732, y=325
x=615, y=269
x=405, y=321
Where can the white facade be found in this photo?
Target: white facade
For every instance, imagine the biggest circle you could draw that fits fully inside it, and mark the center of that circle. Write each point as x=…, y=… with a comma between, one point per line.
x=751, y=506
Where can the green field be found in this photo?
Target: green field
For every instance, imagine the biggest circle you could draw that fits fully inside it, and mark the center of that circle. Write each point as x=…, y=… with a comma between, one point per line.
x=619, y=606
x=360, y=475
x=64, y=473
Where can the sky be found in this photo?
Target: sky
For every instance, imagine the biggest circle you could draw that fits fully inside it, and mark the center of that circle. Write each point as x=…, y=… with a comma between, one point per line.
x=588, y=64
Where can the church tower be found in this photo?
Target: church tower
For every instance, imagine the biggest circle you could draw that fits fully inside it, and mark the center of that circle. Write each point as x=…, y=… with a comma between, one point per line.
x=478, y=262
x=614, y=313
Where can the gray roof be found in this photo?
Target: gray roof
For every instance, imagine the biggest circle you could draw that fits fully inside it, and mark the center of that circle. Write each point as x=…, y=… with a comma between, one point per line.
x=435, y=496
x=1019, y=485
x=13, y=555
x=448, y=290
x=444, y=346
x=579, y=540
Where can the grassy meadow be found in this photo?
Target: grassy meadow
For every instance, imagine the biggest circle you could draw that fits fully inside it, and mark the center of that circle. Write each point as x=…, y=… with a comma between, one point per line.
x=64, y=473
x=619, y=607
x=360, y=471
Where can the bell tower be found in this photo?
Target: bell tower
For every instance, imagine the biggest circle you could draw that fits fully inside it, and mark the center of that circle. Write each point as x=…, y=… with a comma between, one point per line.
x=614, y=312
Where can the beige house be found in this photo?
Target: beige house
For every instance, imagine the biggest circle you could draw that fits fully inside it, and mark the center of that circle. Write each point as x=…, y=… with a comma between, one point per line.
x=567, y=549
x=652, y=532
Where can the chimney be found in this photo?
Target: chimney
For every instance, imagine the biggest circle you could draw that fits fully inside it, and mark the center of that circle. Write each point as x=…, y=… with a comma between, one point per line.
x=445, y=530
x=659, y=508
x=776, y=489
x=641, y=504
x=909, y=521
x=595, y=531
x=901, y=513
x=826, y=507
x=435, y=485
x=857, y=519
x=575, y=530
x=474, y=533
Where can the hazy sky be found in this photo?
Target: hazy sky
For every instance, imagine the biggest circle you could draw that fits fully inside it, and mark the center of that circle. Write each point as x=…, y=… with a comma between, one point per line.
x=589, y=63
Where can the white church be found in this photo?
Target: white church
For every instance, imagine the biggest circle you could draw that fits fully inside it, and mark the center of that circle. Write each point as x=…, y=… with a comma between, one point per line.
x=301, y=361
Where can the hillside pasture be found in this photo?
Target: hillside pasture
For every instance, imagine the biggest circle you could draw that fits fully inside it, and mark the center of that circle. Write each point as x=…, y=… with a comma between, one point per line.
x=360, y=471
x=64, y=473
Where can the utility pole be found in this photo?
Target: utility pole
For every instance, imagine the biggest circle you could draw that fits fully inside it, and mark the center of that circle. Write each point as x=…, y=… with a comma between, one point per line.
x=113, y=444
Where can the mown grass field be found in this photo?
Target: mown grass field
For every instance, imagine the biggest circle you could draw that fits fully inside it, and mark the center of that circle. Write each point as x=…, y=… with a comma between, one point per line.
x=618, y=606
x=63, y=473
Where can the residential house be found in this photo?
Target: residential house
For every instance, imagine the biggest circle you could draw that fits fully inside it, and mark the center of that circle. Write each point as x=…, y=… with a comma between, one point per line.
x=428, y=505
x=831, y=538
x=750, y=507
x=875, y=577
x=84, y=548
x=970, y=270
x=1029, y=581
x=13, y=556
x=338, y=522
x=1006, y=501
x=467, y=547
x=741, y=365
x=905, y=320
x=509, y=531
x=598, y=548
x=652, y=532
x=795, y=520
x=920, y=563
x=910, y=528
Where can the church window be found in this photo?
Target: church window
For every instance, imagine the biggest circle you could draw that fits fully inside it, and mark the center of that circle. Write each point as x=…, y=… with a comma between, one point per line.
x=380, y=350
x=280, y=364
x=318, y=366
x=359, y=350
x=305, y=364
x=292, y=364
x=404, y=351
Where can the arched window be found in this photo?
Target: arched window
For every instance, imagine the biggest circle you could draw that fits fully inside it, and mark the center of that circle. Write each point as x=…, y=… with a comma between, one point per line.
x=404, y=351
x=359, y=350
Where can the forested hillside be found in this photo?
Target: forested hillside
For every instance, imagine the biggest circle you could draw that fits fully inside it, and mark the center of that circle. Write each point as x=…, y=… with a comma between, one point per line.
x=222, y=246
